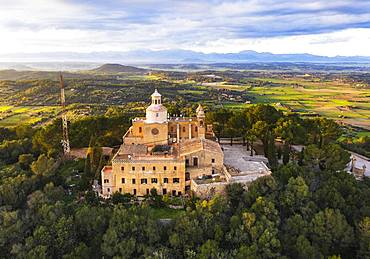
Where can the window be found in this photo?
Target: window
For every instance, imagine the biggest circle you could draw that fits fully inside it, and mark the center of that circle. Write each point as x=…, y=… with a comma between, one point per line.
x=140, y=130
x=144, y=181
x=196, y=129
x=157, y=114
x=187, y=188
x=164, y=191
x=133, y=168
x=213, y=171
x=165, y=180
x=187, y=162
x=179, y=193
x=201, y=123
x=183, y=129
x=175, y=168
x=187, y=176
x=174, y=193
x=122, y=168
x=106, y=181
x=165, y=168
x=154, y=180
x=176, y=180
x=147, y=191
x=108, y=189
x=133, y=181
x=143, y=168
x=153, y=168
x=195, y=161
x=123, y=180
x=134, y=191
x=213, y=160
x=120, y=190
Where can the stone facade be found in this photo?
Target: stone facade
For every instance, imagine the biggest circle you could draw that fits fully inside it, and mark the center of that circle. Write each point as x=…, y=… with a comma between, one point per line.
x=162, y=152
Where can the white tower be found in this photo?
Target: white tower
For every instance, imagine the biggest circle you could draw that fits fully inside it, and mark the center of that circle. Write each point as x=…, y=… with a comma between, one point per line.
x=156, y=112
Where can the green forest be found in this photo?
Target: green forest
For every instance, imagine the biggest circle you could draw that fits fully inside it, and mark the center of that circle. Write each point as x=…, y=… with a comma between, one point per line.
x=308, y=208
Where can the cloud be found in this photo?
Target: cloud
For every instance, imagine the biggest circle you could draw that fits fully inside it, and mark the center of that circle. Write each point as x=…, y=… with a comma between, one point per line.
x=318, y=26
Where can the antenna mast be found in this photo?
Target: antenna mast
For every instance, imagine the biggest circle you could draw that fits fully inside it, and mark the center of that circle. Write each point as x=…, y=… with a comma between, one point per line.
x=65, y=141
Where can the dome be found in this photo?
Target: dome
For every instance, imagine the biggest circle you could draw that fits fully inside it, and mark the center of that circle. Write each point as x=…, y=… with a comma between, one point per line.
x=156, y=94
x=200, y=111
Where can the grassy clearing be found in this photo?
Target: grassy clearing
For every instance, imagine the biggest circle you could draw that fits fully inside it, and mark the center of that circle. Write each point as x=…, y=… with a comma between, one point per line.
x=18, y=115
x=4, y=108
x=166, y=213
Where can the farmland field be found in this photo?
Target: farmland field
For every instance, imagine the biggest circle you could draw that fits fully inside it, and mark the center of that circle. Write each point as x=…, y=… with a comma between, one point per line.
x=11, y=116
x=329, y=99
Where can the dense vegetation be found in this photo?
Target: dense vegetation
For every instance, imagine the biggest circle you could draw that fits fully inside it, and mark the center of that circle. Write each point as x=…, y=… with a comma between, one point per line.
x=308, y=208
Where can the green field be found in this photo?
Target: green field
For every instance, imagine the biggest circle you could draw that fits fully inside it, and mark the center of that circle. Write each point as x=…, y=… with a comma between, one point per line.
x=166, y=213
x=334, y=100
x=11, y=116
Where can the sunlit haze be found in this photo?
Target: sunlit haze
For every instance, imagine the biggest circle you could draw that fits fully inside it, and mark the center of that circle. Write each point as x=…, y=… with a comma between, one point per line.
x=326, y=28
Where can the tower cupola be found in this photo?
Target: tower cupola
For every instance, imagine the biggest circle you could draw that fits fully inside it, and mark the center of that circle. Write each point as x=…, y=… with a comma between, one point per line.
x=156, y=112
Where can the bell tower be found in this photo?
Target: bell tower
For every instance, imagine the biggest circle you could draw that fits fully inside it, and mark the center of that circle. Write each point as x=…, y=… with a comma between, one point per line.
x=156, y=112
x=201, y=122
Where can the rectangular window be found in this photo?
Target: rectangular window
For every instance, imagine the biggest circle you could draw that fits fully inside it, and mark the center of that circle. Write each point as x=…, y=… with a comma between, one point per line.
x=165, y=180
x=106, y=181
x=164, y=191
x=195, y=161
x=173, y=192
x=140, y=129
x=133, y=181
x=134, y=191
x=179, y=193
x=147, y=191
x=153, y=168
x=133, y=168
x=143, y=168
x=122, y=168
x=120, y=190
x=154, y=180
x=213, y=160
x=144, y=181
x=175, y=168
x=123, y=180
x=176, y=180
x=165, y=168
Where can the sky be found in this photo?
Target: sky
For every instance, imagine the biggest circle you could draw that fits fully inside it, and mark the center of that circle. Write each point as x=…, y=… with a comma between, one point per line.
x=323, y=27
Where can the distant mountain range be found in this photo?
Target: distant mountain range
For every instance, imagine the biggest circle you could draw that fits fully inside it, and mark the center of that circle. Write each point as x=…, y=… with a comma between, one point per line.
x=175, y=56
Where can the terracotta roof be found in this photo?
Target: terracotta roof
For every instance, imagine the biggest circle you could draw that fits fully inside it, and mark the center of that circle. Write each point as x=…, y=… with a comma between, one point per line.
x=198, y=144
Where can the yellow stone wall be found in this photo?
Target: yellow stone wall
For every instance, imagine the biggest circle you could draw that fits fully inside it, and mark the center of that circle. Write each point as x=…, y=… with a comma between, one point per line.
x=205, y=164
x=148, y=173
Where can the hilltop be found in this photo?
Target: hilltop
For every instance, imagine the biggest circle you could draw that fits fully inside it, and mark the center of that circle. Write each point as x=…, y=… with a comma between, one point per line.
x=118, y=68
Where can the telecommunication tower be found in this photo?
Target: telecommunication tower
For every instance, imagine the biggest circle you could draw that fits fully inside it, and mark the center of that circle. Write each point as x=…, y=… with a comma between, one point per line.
x=65, y=140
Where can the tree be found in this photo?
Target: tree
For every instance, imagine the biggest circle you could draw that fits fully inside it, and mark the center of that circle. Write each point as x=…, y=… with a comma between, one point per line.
x=286, y=153
x=295, y=195
x=331, y=233
x=25, y=160
x=271, y=151
x=43, y=166
x=364, y=238
x=334, y=157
